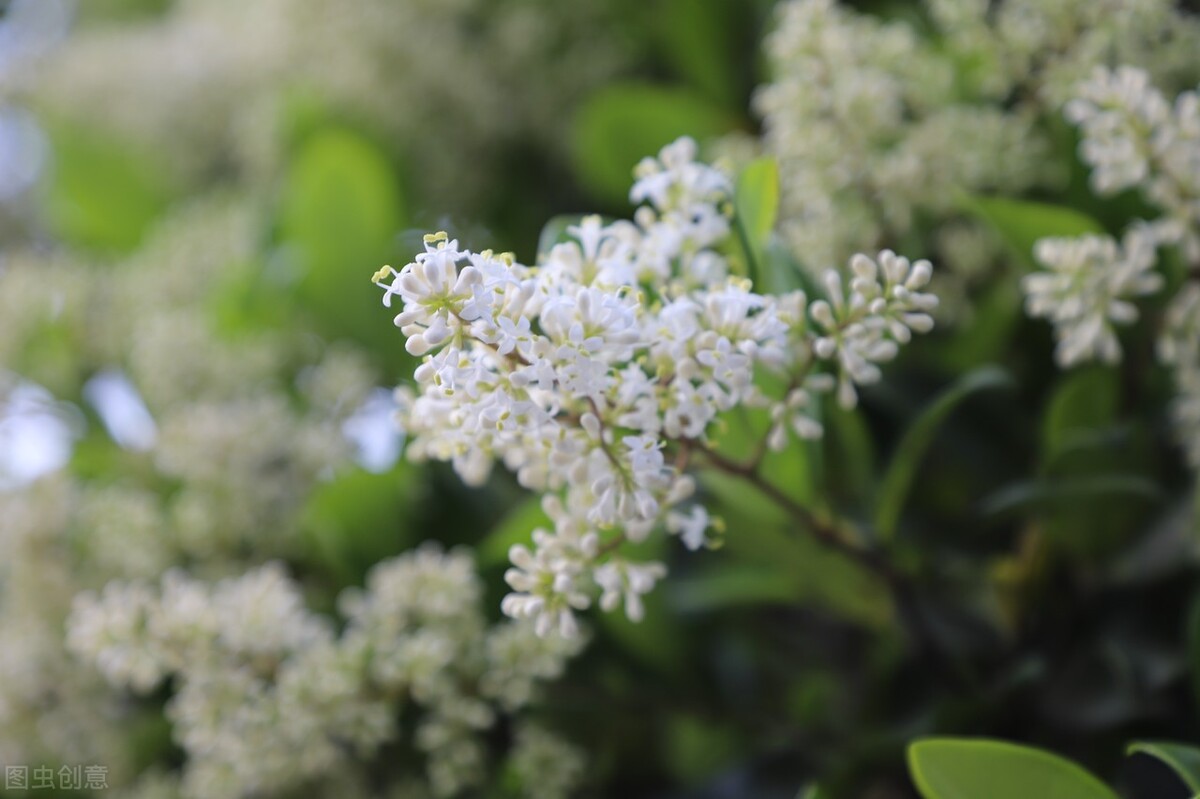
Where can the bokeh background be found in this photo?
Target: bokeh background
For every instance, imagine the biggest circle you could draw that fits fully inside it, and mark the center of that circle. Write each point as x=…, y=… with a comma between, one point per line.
x=196, y=372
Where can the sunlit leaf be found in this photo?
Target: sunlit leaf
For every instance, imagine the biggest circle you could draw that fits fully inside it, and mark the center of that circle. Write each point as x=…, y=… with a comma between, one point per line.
x=756, y=204
x=101, y=195
x=961, y=768
x=341, y=212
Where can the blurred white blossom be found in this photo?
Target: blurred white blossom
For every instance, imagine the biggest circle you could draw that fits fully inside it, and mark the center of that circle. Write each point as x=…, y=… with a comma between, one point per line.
x=1088, y=289
x=269, y=699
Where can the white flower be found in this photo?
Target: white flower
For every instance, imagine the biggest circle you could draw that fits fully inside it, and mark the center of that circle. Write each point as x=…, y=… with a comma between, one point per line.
x=884, y=308
x=621, y=348
x=621, y=580
x=1088, y=290
x=690, y=528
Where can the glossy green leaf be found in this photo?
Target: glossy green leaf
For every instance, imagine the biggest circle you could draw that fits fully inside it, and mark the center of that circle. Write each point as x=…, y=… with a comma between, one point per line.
x=906, y=460
x=1182, y=759
x=101, y=195
x=621, y=124
x=341, y=212
x=963, y=768
x=1021, y=223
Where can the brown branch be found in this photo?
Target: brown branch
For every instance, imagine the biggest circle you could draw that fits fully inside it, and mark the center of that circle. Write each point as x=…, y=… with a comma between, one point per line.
x=903, y=593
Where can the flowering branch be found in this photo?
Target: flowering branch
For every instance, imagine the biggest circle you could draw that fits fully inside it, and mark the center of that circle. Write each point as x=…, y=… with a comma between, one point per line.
x=627, y=339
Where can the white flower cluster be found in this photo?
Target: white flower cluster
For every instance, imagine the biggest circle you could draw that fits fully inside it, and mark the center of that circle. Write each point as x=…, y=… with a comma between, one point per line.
x=621, y=348
x=1179, y=349
x=881, y=127
x=1088, y=289
x=237, y=441
x=1133, y=137
x=51, y=708
x=867, y=125
x=200, y=87
x=268, y=699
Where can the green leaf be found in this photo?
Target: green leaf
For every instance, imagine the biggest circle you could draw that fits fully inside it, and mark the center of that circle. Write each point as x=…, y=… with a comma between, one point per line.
x=1183, y=760
x=621, y=124
x=696, y=748
x=109, y=11
x=962, y=768
x=742, y=433
x=514, y=528
x=1084, y=400
x=848, y=455
x=341, y=211
x=1042, y=493
x=763, y=539
x=657, y=640
x=101, y=195
x=1021, y=223
x=359, y=518
x=695, y=36
x=1193, y=645
x=902, y=470
x=756, y=205
x=732, y=585
x=994, y=318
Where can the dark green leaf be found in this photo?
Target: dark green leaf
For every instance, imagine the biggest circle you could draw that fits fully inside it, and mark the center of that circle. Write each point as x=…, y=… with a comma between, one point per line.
x=1183, y=760
x=360, y=518
x=1085, y=400
x=732, y=585
x=1042, y=493
x=697, y=748
x=695, y=36
x=906, y=460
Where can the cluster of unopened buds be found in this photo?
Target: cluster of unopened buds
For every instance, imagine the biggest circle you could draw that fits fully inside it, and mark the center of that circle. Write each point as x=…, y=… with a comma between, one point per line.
x=598, y=374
